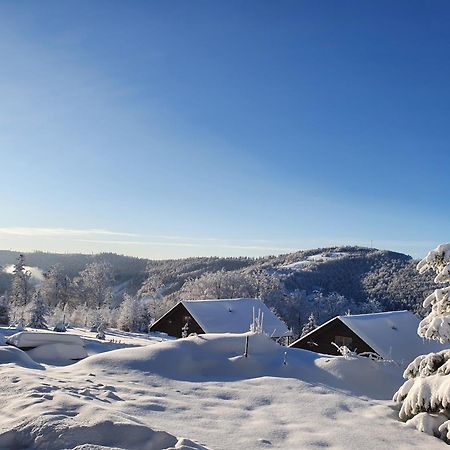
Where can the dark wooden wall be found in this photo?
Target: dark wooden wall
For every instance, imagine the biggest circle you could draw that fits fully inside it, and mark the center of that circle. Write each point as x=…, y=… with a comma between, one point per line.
x=173, y=322
x=323, y=337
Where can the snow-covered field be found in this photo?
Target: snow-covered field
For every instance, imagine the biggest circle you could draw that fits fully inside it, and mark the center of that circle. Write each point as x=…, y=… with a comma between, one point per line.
x=201, y=388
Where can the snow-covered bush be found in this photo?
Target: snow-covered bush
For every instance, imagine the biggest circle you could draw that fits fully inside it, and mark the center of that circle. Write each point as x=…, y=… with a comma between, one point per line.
x=60, y=327
x=425, y=396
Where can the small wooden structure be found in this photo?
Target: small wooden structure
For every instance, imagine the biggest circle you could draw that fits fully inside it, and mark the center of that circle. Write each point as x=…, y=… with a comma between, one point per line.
x=218, y=316
x=391, y=335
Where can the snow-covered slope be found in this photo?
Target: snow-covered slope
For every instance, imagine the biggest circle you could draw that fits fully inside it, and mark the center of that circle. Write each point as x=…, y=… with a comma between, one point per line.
x=313, y=260
x=202, y=387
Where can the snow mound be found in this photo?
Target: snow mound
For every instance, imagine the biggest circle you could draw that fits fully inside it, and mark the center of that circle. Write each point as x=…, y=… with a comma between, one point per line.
x=31, y=339
x=57, y=352
x=12, y=355
x=93, y=434
x=220, y=357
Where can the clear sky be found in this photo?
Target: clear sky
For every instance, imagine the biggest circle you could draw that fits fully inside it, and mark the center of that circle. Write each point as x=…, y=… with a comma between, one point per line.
x=183, y=128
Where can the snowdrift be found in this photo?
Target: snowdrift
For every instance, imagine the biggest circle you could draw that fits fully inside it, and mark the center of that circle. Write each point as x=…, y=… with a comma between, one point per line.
x=204, y=388
x=219, y=357
x=31, y=339
x=48, y=347
x=12, y=355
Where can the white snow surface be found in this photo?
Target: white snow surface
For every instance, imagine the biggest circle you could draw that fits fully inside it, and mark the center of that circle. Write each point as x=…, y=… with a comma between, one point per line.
x=203, y=387
x=313, y=260
x=393, y=335
x=35, y=338
x=56, y=353
x=234, y=316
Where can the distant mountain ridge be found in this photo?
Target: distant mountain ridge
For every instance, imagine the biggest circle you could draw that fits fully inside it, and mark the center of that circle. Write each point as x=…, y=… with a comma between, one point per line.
x=357, y=273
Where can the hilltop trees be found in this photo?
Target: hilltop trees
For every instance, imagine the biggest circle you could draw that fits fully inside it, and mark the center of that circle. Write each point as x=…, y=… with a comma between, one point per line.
x=223, y=284
x=425, y=397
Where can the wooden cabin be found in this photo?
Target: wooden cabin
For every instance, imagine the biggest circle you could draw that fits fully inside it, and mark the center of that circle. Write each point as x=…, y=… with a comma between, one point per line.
x=218, y=316
x=391, y=335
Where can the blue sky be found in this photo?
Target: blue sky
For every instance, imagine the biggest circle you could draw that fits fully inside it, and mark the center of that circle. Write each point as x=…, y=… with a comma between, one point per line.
x=171, y=129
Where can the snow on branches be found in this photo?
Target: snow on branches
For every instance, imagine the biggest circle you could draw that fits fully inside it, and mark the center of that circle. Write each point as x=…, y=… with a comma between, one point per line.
x=437, y=324
x=425, y=396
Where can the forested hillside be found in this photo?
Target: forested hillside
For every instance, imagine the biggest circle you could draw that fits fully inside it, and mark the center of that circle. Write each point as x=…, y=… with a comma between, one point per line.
x=315, y=284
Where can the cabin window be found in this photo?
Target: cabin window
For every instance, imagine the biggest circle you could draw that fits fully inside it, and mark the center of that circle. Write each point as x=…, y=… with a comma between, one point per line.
x=343, y=341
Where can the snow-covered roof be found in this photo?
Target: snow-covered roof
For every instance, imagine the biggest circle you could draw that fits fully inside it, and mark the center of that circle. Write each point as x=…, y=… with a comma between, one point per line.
x=393, y=335
x=234, y=316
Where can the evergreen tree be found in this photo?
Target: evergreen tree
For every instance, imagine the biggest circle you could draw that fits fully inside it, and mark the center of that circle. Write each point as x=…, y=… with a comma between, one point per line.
x=21, y=290
x=424, y=396
x=38, y=311
x=310, y=325
x=101, y=331
x=4, y=310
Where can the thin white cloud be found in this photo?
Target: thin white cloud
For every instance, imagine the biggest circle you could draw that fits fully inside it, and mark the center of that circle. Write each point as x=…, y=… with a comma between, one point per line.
x=58, y=232
x=184, y=244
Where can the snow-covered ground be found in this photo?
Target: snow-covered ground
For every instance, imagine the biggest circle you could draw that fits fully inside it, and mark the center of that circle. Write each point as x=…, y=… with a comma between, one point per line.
x=313, y=260
x=202, y=388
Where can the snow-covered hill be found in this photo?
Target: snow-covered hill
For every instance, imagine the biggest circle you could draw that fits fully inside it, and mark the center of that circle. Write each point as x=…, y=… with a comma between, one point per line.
x=204, y=388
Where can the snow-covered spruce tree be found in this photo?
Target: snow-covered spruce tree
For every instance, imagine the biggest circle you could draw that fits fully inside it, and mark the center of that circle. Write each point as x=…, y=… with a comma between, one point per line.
x=425, y=396
x=310, y=325
x=101, y=331
x=38, y=311
x=4, y=310
x=21, y=290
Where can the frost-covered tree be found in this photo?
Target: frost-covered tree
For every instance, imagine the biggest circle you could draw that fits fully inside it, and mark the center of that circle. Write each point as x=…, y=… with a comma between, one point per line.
x=223, y=284
x=94, y=285
x=38, y=311
x=132, y=315
x=56, y=287
x=21, y=289
x=310, y=325
x=101, y=331
x=425, y=396
x=4, y=310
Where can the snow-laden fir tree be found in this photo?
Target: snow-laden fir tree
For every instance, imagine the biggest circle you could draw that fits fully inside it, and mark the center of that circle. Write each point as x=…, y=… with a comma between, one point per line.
x=4, y=310
x=21, y=289
x=38, y=312
x=425, y=396
x=101, y=331
x=310, y=325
